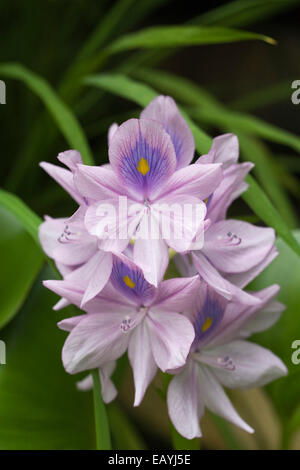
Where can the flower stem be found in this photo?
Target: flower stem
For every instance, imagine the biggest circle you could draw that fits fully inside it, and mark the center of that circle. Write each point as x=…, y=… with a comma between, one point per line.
x=101, y=420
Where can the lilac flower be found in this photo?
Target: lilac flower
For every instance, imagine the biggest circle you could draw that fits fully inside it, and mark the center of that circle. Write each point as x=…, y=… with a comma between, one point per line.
x=130, y=314
x=70, y=158
x=220, y=356
x=194, y=327
x=148, y=159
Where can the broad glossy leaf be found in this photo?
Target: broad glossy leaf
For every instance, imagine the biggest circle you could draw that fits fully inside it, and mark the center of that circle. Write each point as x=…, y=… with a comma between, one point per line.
x=63, y=116
x=21, y=261
x=40, y=407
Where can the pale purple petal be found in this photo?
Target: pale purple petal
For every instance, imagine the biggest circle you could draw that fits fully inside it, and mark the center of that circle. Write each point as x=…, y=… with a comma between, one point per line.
x=142, y=155
x=234, y=246
x=98, y=338
x=231, y=187
x=243, y=279
x=206, y=313
x=94, y=274
x=67, y=290
x=216, y=400
x=226, y=149
x=264, y=319
x=114, y=222
x=175, y=295
x=152, y=255
x=108, y=389
x=181, y=220
x=211, y=275
x=64, y=178
x=128, y=279
x=70, y=158
x=171, y=336
x=254, y=366
x=62, y=303
x=194, y=180
x=85, y=384
x=237, y=316
x=220, y=284
x=66, y=244
x=49, y=232
x=164, y=110
x=141, y=360
x=68, y=324
x=109, y=300
x=111, y=131
x=97, y=182
x=185, y=403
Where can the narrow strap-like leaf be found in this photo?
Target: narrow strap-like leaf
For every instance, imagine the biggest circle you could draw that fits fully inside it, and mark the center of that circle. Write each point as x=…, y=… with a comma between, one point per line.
x=174, y=36
x=28, y=219
x=63, y=116
x=101, y=420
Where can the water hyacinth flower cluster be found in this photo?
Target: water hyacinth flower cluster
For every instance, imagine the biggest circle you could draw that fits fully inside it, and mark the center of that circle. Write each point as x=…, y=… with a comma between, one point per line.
x=150, y=203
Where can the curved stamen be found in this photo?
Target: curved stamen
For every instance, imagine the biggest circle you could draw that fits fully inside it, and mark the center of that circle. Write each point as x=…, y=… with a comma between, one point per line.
x=65, y=236
x=226, y=363
x=231, y=239
x=219, y=362
x=126, y=324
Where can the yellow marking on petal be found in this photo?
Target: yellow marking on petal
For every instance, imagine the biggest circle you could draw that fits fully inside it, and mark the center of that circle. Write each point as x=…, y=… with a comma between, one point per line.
x=143, y=166
x=206, y=200
x=207, y=324
x=129, y=282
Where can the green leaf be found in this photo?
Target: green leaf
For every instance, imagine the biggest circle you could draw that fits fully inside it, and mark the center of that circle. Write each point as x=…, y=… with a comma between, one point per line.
x=40, y=407
x=63, y=116
x=285, y=271
x=265, y=170
x=21, y=261
x=174, y=36
x=238, y=121
x=125, y=435
x=26, y=217
x=262, y=206
x=122, y=86
x=101, y=420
